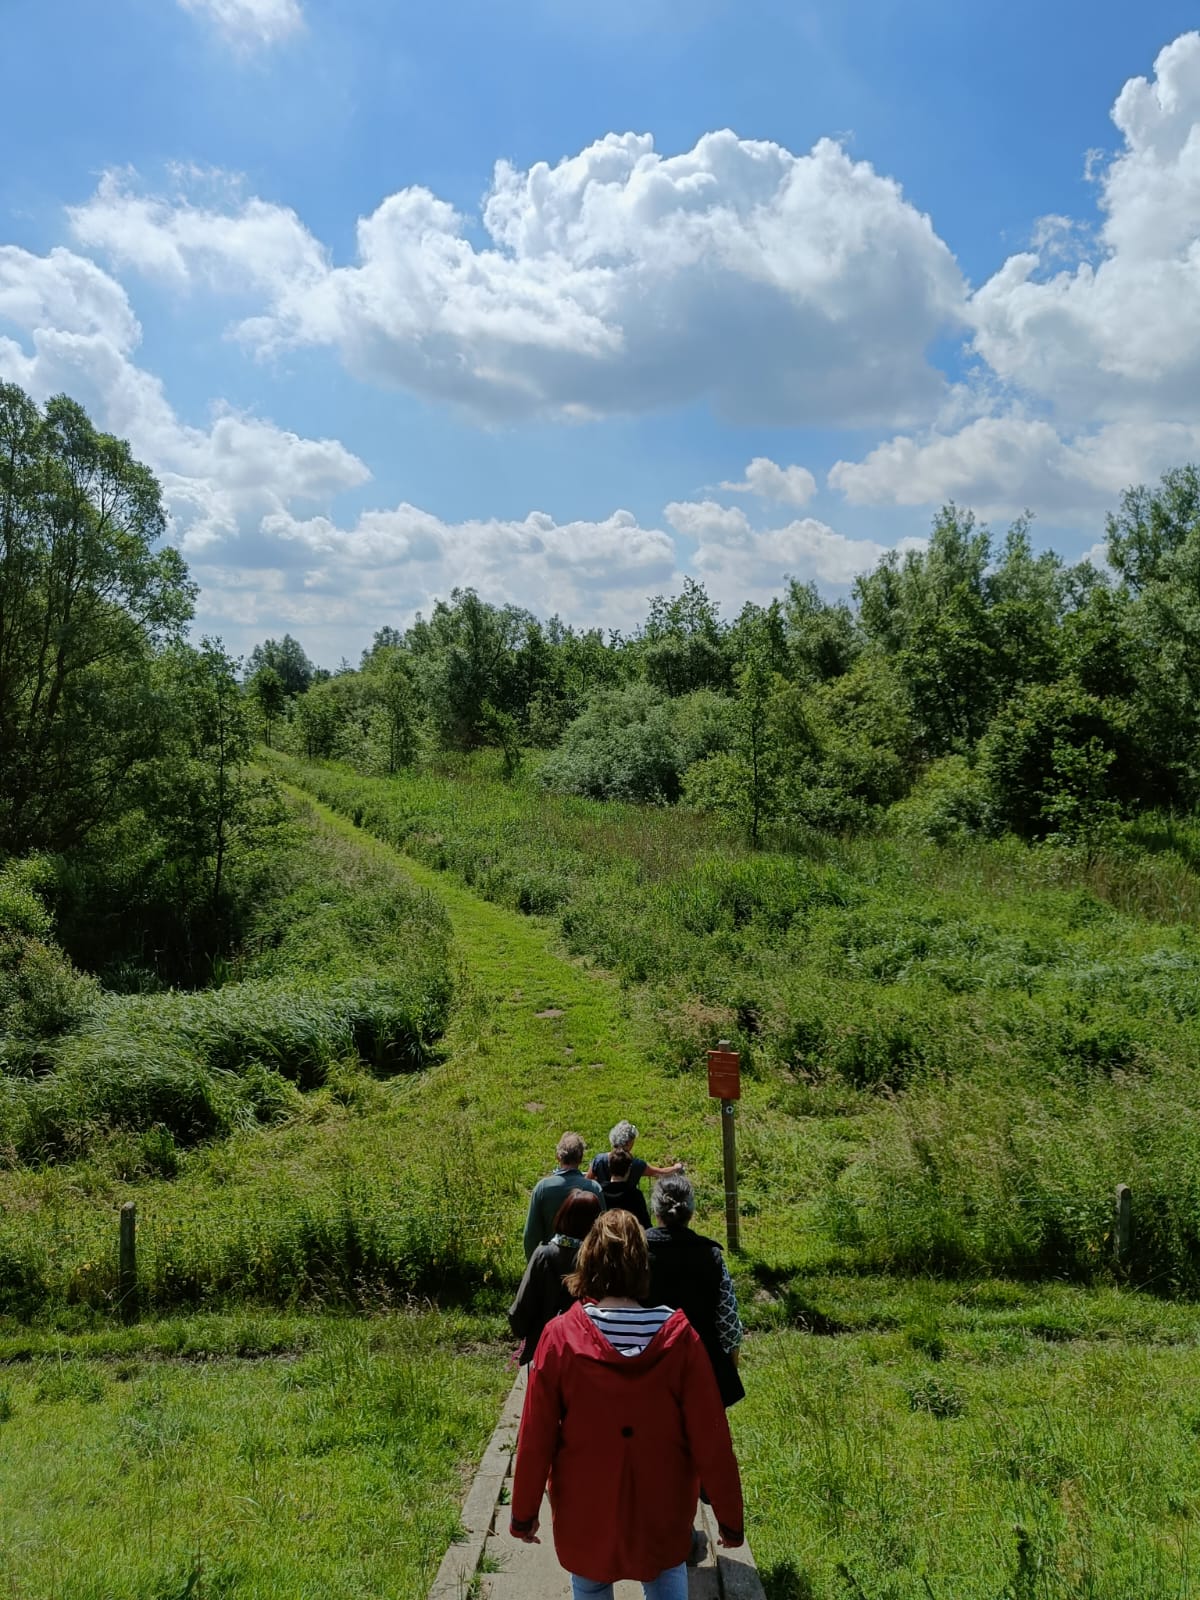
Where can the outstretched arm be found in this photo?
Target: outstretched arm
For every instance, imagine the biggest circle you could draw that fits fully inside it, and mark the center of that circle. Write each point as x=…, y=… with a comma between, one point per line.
x=664, y=1172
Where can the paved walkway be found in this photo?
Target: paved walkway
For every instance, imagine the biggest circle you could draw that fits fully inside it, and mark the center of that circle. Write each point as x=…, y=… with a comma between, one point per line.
x=508, y=1569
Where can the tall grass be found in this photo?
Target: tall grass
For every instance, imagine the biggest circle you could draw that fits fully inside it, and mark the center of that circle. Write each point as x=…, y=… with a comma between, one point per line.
x=1017, y=1030
x=346, y=960
x=335, y=1472
x=342, y=1216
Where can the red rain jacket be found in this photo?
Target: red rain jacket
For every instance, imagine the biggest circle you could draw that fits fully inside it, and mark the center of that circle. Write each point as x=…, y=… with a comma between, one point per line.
x=625, y=1442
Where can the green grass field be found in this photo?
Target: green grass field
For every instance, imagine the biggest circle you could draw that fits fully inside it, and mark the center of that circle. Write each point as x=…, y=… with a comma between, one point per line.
x=971, y=1434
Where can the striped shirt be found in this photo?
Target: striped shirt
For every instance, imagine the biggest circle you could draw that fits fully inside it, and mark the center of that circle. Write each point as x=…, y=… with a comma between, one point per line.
x=628, y=1329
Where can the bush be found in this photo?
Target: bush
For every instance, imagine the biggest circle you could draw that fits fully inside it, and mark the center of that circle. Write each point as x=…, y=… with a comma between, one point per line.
x=346, y=959
x=948, y=803
x=623, y=747
x=990, y=1172
x=41, y=995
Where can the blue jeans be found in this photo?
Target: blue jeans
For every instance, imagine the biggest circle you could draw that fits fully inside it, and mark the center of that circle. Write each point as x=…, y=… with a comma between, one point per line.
x=671, y=1584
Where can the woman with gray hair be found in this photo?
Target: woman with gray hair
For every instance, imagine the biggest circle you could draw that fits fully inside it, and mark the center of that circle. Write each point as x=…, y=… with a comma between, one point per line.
x=621, y=1138
x=689, y=1271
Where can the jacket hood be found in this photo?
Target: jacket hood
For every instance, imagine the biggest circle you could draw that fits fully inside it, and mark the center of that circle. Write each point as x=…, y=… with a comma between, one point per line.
x=583, y=1338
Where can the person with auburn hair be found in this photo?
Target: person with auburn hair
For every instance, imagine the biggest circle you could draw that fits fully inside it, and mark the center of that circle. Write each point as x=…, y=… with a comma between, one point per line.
x=623, y=1416
x=543, y=1294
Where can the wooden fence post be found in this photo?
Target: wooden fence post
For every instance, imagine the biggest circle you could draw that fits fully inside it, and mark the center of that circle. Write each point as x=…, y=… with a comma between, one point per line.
x=1122, y=1225
x=127, y=1284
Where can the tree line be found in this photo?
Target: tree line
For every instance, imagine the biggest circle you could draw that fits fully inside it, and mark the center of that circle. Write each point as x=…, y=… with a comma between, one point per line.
x=976, y=685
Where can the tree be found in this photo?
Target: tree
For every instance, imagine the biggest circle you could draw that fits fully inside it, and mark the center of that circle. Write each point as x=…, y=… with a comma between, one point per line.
x=1154, y=544
x=386, y=638
x=931, y=613
x=1055, y=760
x=270, y=696
x=745, y=779
x=681, y=644
x=390, y=677
x=1026, y=596
x=198, y=794
x=848, y=746
x=286, y=658
x=85, y=599
x=823, y=640
x=465, y=657
x=500, y=729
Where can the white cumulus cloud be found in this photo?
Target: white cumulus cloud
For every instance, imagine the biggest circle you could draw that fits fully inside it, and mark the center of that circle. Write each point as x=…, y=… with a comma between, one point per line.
x=778, y=287
x=793, y=486
x=1119, y=335
x=740, y=562
x=1092, y=379
x=76, y=332
x=1001, y=465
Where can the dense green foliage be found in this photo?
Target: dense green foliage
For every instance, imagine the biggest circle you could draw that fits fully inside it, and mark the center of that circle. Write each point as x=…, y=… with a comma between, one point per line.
x=84, y=598
x=344, y=961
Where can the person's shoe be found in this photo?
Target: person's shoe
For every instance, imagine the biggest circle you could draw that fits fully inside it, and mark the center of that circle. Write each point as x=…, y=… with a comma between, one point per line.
x=699, y=1547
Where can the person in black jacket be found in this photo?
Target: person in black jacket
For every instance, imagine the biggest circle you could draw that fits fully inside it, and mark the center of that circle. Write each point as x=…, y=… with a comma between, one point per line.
x=620, y=1192
x=688, y=1270
x=543, y=1294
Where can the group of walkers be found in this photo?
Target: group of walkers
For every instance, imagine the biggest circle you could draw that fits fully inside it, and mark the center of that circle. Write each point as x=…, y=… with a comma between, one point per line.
x=631, y=1334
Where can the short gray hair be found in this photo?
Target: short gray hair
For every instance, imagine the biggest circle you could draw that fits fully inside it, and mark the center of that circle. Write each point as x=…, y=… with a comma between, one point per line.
x=674, y=1200
x=623, y=1135
x=570, y=1150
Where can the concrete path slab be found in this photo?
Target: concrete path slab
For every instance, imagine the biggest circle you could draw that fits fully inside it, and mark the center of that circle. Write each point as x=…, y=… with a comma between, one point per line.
x=487, y=1564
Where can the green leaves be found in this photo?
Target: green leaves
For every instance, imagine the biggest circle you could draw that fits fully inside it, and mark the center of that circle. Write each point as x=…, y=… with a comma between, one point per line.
x=86, y=599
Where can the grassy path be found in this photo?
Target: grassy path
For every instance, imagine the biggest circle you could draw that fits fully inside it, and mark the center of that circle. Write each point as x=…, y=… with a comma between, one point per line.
x=539, y=1043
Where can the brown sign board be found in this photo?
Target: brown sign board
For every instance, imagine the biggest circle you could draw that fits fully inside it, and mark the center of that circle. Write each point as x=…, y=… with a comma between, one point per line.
x=724, y=1074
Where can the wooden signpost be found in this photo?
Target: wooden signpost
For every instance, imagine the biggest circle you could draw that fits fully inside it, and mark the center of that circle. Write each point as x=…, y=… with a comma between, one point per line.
x=725, y=1085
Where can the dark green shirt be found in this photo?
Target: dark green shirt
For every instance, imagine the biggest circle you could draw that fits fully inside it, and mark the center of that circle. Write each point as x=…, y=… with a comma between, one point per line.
x=548, y=1194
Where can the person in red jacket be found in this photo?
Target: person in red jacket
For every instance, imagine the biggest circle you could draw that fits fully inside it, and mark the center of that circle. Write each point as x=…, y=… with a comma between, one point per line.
x=623, y=1415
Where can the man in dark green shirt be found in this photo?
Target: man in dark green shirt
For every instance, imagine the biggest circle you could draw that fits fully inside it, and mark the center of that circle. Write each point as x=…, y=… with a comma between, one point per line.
x=549, y=1193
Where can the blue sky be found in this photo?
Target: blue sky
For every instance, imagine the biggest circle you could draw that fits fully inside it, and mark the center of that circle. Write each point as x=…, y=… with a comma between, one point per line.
x=755, y=290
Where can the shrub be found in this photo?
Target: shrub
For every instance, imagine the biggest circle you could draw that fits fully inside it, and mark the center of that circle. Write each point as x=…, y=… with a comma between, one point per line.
x=948, y=802
x=623, y=747
x=346, y=958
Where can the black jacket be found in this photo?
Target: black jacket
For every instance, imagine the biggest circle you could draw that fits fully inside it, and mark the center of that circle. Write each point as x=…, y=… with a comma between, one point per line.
x=626, y=1196
x=685, y=1270
x=542, y=1294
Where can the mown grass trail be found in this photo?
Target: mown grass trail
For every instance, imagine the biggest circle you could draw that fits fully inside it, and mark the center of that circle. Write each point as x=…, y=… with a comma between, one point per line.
x=538, y=1044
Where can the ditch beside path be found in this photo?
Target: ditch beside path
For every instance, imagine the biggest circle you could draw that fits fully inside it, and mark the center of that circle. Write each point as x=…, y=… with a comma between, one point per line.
x=489, y=1563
